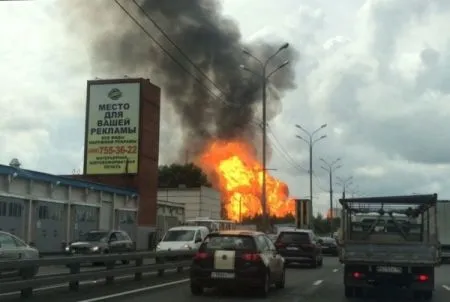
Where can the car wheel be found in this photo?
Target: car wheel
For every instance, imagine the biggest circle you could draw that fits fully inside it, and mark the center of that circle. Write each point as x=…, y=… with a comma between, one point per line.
x=264, y=289
x=314, y=263
x=358, y=292
x=425, y=295
x=196, y=289
x=281, y=283
x=349, y=292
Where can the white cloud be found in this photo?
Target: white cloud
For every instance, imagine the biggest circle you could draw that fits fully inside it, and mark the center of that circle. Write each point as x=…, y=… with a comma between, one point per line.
x=377, y=74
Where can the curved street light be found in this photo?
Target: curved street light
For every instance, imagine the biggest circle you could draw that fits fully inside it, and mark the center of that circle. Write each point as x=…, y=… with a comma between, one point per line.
x=264, y=76
x=311, y=141
x=330, y=168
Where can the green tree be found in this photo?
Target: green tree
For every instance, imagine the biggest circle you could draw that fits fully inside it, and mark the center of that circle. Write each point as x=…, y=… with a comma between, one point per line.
x=174, y=175
x=322, y=225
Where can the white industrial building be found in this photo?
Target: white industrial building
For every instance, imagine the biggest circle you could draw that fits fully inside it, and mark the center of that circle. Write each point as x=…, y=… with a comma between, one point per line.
x=198, y=202
x=49, y=210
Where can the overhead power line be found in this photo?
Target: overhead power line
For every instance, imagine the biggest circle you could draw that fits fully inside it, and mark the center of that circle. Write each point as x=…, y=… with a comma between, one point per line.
x=276, y=144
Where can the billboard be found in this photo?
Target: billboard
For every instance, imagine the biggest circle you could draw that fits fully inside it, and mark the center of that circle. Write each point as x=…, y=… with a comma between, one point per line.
x=112, y=128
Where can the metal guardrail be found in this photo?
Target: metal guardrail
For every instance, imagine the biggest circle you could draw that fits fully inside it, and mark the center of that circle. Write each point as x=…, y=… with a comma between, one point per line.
x=164, y=260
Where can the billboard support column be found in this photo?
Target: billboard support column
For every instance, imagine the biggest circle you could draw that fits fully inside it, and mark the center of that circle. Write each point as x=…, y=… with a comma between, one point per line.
x=302, y=217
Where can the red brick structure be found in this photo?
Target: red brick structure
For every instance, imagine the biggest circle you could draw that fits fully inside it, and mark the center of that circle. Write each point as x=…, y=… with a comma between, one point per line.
x=145, y=182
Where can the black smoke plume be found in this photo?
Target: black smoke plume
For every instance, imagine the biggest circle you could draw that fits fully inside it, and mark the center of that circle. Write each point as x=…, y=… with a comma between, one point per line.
x=211, y=40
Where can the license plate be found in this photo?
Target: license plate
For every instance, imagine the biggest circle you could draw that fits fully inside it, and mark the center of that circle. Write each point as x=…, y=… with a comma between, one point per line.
x=222, y=275
x=292, y=248
x=389, y=269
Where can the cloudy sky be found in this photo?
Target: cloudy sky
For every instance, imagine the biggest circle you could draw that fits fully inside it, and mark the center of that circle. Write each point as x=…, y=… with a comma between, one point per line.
x=375, y=71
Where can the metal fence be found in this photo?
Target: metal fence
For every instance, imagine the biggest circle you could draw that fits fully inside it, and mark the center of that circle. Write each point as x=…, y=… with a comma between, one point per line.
x=73, y=277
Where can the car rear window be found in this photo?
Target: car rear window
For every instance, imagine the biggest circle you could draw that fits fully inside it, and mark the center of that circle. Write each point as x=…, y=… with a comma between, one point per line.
x=228, y=242
x=328, y=240
x=293, y=237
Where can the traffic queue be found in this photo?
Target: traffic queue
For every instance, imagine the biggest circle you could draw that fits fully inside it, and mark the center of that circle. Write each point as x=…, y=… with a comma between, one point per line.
x=234, y=259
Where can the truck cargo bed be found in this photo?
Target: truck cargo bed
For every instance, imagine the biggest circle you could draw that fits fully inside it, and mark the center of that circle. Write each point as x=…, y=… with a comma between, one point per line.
x=389, y=253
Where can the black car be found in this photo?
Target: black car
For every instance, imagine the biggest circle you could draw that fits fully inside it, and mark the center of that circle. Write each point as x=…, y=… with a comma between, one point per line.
x=101, y=242
x=300, y=246
x=329, y=246
x=237, y=259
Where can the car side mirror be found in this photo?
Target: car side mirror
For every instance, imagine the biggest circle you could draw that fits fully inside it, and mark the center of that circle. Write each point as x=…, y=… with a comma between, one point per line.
x=198, y=240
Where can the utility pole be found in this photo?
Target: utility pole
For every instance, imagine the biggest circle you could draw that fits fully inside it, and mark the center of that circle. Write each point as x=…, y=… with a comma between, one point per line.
x=264, y=76
x=311, y=141
x=330, y=168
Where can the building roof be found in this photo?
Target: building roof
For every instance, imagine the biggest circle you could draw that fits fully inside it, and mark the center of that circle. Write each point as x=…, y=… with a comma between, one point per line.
x=63, y=180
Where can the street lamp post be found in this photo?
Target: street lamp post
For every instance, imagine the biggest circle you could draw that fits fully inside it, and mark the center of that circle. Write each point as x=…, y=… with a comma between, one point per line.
x=354, y=191
x=330, y=168
x=345, y=183
x=264, y=78
x=311, y=141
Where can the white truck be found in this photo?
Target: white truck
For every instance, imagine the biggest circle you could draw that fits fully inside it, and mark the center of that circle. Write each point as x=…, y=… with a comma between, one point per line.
x=443, y=215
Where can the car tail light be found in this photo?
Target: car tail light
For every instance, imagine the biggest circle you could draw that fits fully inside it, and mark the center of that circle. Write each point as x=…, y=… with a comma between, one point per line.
x=357, y=275
x=251, y=257
x=423, y=278
x=201, y=256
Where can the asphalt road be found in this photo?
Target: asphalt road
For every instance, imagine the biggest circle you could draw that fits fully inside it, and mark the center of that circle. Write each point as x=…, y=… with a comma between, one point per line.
x=302, y=284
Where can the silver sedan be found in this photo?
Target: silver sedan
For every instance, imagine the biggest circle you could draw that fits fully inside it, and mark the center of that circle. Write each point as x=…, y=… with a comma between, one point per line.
x=13, y=248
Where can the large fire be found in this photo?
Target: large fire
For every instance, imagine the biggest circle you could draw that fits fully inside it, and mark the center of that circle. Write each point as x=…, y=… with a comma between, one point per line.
x=234, y=170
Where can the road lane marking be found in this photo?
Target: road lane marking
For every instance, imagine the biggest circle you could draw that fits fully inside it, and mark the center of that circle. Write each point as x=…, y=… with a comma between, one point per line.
x=335, y=270
x=446, y=287
x=135, y=291
x=318, y=282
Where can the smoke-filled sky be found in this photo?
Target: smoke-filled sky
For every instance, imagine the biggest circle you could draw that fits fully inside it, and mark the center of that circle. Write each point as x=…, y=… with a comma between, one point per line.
x=374, y=70
x=193, y=31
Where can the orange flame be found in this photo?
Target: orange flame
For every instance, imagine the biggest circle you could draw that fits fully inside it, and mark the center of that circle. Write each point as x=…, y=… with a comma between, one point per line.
x=233, y=169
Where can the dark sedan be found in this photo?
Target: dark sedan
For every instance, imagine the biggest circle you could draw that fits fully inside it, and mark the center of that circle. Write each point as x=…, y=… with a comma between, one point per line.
x=245, y=259
x=329, y=246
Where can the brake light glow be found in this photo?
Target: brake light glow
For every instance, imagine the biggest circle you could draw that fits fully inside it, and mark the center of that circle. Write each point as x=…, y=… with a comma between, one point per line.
x=200, y=256
x=423, y=278
x=251, y=257
x=357, y=275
